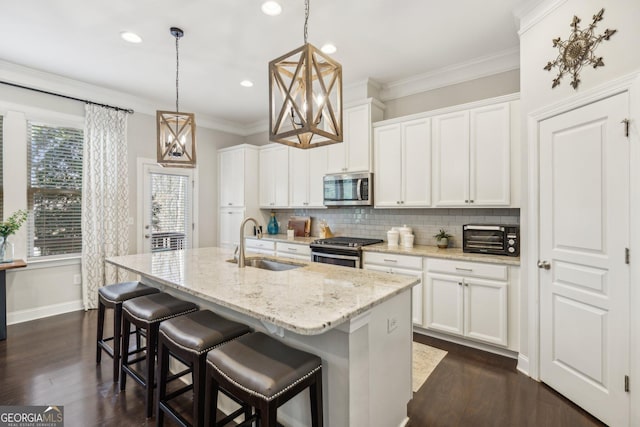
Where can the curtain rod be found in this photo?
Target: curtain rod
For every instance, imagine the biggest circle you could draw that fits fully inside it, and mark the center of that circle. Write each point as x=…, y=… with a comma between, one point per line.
x=86, y=101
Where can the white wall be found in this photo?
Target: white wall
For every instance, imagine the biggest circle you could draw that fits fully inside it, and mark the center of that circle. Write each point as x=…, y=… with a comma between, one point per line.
x=549, y=20
x=47, y=288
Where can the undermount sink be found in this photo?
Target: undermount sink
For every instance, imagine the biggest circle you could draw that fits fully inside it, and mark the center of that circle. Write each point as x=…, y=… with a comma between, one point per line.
x=268, y=264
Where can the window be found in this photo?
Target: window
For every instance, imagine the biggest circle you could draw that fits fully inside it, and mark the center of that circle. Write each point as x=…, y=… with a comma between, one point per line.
x=54, y=190
x=169, y=212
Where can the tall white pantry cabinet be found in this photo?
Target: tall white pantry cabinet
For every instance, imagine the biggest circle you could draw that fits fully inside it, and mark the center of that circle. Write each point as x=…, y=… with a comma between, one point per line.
x=237, y=191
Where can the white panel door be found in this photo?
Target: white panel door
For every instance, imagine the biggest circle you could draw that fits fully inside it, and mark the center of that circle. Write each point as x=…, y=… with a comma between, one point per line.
x=416, y=163
x=584, y=230
x=490, y=156
x=443, y=303
x=229, y=227
x=317, y=171
x=299, y=177
x=267, y=179
x=485, y=310
x=388, y=170
x=281, y=176
x=416, y=291
x=451, y=159
x=358, y=139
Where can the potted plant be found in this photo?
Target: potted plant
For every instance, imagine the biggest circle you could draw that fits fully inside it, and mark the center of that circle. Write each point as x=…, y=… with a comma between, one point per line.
x=7, y=228
x=442, y=238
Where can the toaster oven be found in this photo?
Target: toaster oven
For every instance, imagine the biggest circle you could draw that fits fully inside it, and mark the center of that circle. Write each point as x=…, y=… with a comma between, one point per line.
x=491, y=239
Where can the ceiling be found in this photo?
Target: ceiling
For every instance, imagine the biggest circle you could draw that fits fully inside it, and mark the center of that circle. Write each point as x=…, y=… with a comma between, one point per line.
x=226, y=41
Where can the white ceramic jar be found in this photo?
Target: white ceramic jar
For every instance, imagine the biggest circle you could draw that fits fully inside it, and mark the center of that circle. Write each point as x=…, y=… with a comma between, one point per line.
x=404, y=230
x=408, y=240
x=392, y=237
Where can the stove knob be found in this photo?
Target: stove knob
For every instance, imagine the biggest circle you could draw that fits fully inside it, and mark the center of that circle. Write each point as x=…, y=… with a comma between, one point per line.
x=511, y=250
x=511, y=242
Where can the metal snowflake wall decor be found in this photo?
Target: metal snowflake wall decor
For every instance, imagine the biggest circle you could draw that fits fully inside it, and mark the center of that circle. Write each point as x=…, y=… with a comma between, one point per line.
x=578, y=50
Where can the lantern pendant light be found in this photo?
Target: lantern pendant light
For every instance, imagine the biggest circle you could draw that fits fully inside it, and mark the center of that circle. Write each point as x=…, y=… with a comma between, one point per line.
x=176, y=130
x=305, y=97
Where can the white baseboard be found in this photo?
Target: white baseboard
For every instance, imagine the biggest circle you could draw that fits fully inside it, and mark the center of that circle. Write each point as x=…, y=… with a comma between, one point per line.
x=468, y=343
x=523, y=364
x=20, y=316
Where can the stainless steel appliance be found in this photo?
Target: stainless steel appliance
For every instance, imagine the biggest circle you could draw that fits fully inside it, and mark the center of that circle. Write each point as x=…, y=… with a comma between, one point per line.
x=351, y=189
x=491, y=239
x=345, y=251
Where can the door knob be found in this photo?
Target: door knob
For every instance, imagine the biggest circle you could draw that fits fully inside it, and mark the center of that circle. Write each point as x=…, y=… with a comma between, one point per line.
x=146, y=236
x=544, y=264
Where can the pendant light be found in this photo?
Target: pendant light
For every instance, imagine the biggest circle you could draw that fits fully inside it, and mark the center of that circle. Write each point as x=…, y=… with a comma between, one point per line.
x=305, y=97
x=176, y=130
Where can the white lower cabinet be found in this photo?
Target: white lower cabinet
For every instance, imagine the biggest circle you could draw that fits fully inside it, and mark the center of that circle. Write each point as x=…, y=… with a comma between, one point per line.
x=259, y=246
x=472, y=302
x=229, y=225
x=400, y=264
x=293, y=250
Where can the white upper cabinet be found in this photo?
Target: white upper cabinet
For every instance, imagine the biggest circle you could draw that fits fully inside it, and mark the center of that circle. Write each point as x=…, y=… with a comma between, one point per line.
x=402, y=153
x=306, y=170
x=472, y=157
x=354, y=154
x=274, y=176
x=237, y=175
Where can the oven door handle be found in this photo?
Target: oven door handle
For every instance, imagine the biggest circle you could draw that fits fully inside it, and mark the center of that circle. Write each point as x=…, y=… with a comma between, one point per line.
x=336, y=256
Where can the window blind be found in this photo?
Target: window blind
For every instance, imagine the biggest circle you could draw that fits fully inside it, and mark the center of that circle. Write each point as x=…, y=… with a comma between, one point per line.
x=1, y=171
x=54, y=190
x=170, y=212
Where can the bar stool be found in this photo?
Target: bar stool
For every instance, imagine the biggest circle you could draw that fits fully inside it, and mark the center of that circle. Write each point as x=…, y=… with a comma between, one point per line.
x=188, y=338
x=112, y=296
x=147, y=312
x=264, y=373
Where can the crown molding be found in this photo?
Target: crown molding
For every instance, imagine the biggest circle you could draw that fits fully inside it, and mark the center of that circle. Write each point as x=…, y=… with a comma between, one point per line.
x=532, y=12
x=38, y=79
x=470, y=70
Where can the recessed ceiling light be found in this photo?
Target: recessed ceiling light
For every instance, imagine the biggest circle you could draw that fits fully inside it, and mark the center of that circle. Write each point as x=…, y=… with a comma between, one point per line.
x=130, y=37
x=271, y=8
x=246, y=83
x=328, y=48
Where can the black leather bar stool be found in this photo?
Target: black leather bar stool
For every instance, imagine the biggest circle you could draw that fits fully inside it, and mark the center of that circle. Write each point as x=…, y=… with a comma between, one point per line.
x=265, y=373
x=188, y=338
x=112, y=296
x=147, y=312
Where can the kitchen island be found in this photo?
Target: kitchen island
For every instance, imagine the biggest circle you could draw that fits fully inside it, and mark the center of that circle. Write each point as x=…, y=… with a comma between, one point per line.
x=357, y=321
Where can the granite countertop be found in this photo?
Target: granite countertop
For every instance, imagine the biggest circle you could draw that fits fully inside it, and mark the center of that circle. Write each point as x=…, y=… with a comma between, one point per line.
x=308, y=300
x=417, y=250
x=449, y=253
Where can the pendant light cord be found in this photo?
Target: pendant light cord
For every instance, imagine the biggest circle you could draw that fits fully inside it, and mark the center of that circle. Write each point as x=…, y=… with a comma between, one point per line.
x=177, y=73
x=306, y=19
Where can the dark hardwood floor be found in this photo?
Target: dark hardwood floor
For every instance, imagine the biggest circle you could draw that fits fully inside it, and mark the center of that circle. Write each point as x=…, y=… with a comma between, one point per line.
x=52, y=362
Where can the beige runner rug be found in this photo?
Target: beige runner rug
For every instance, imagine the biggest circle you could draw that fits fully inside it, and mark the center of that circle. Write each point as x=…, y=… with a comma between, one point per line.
x=425, y=360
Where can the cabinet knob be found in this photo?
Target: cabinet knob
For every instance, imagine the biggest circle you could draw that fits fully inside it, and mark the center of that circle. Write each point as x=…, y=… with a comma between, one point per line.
x=230, y=204
x=466, y=201
x=470, y=201
x=459, y=283
x=397, y=202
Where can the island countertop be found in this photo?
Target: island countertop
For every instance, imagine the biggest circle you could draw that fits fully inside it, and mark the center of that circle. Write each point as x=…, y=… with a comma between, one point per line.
x=308, y=300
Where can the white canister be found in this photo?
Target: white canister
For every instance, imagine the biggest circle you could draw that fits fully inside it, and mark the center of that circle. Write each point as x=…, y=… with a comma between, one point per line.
x=408, y=240
x=392, y=237
x=403, y=231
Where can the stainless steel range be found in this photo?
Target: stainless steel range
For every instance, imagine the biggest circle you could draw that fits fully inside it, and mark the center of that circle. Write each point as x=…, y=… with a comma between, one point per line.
x=345, y=251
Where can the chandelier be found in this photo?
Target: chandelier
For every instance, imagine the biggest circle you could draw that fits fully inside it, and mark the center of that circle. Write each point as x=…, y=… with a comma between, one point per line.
x=305, y=97
x=176, y=131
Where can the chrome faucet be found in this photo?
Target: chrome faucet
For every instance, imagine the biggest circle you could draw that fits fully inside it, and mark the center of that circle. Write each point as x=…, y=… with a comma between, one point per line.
x=258, y=233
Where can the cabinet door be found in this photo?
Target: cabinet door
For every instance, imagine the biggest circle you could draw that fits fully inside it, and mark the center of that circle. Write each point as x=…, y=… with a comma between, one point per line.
x=485, y=316
x=337, y=157
x=299, y=177
x=388, y=163
x=451, y=159
x=231, y=184
x=490, y=156
x=317, y=171
x=267, y=179
x=229, y=227
x=416, y=163
x=416, y=308
x=358, y=138
x=443, y=303
x=281, y=176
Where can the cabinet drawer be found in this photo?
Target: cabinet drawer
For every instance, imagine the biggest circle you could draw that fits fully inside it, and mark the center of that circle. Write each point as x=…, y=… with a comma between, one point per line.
x=393, y=260
x=463, y=268
x=260, y=244
x=293, y=248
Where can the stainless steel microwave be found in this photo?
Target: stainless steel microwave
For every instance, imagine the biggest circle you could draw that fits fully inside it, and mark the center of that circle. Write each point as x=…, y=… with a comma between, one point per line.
x=351, y=189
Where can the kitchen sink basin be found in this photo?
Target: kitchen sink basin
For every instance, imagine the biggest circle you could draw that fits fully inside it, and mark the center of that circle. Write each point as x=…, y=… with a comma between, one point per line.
x=268, y=264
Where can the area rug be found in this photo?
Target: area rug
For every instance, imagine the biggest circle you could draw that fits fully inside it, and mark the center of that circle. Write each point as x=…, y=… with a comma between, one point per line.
x=425, y=360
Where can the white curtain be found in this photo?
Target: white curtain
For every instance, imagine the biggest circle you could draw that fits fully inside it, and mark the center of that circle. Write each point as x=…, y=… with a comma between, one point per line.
x=105, y=199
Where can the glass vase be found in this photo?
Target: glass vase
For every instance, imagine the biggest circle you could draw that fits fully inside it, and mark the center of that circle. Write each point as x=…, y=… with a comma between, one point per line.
x=272, y=227
x=6, y=250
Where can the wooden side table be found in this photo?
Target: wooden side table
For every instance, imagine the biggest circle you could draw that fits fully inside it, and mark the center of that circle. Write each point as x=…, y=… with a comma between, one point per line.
x=17, y=263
